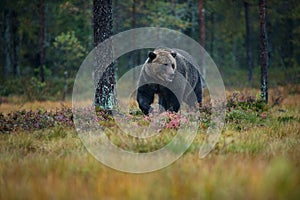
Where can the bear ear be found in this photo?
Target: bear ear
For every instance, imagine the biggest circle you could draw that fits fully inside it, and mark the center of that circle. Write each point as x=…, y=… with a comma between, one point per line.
x=151, y=55
x=173, y=53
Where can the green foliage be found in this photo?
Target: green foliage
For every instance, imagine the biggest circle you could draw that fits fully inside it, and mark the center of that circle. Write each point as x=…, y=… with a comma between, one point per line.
x=241, y=102
x=73, y=15
x=69, y=52
x=69, y=36
x=35, y=89
x=242, y=112
x=56, y=132
x=165, y=14
x=287, y=119
x=11, y=87
x=30, y=87
x=245, y=111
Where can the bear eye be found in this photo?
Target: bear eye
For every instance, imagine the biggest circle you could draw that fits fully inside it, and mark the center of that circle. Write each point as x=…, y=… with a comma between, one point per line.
x=173, y=66
x=165, y=64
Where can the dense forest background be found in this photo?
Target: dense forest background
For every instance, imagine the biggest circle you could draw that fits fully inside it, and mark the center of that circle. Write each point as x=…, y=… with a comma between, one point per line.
x=44, y=42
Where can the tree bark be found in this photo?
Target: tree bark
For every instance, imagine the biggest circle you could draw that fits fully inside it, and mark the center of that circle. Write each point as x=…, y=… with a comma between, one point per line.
x=212, y=34
x=7, y=41
x=248, y=41
x=42, y=40
x=202, y=35
x=134, y=56
x=105, y=88
x=15, y=43
x=202, y=22
x=264, y=62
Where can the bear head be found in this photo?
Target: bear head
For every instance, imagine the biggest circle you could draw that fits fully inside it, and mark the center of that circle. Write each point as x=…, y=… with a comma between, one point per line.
x=161, y=65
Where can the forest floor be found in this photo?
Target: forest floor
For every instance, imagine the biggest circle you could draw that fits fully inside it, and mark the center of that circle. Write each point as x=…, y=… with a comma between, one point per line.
x=254, y=159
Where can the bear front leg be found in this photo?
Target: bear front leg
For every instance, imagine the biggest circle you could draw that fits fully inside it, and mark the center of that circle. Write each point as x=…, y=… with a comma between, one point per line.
x=198, y=91
x=145, y=97
x=162, y=102
x=168, y=101
x=174, y=105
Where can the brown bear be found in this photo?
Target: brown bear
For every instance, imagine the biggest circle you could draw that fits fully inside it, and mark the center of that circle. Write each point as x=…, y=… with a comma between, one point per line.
x=173, y=75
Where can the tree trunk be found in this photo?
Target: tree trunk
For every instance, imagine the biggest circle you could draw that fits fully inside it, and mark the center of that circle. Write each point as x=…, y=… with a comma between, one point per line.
x=134, y=59
x=202, y=35
x=248, y=42
x=202, y=22
x=42, y=40
x=7, y=42
x=212, y=34
x=105, y=88
x=264, y=62
x=15, y=43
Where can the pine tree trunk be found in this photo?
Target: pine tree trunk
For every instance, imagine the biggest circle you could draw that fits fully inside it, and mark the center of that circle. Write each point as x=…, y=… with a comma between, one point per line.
x=7, y=42
x=212, y=34
x=42, y=40
x=105, y=88
x=15, y=43
x=134, y=59
x=202, y=35
x=202, y=22
x=248, y=42
x=263, y=51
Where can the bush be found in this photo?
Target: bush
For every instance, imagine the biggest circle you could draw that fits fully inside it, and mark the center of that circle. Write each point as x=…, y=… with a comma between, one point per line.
x=32, y=89
x=35, y=120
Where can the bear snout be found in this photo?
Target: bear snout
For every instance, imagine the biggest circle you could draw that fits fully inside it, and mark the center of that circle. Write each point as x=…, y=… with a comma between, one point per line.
x=170, y=77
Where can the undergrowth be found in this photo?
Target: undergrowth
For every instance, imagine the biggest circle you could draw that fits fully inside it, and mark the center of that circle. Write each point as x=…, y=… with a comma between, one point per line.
x=241, y=111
